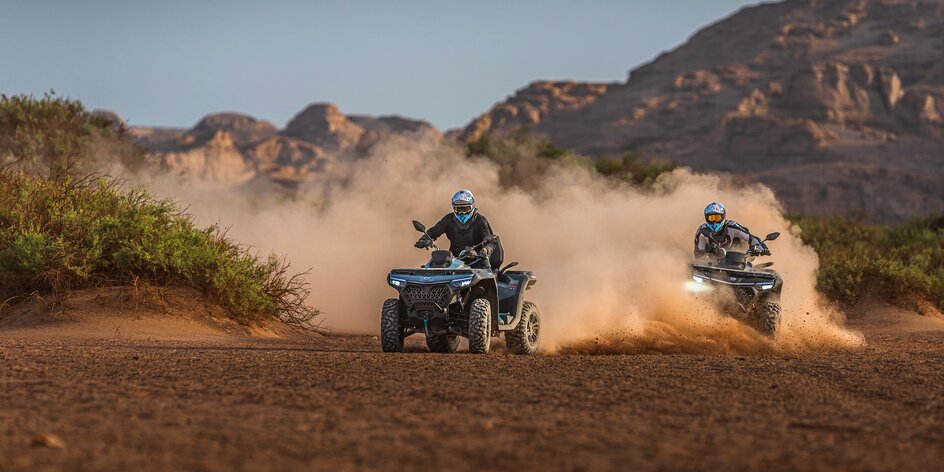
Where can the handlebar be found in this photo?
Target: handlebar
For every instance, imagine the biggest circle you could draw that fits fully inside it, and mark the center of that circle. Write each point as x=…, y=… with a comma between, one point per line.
x=721, y=252
x=432, y=242
x=488, y=239
x=463, y=256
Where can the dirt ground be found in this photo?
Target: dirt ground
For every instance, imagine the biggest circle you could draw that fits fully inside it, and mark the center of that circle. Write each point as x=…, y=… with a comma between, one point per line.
x=119, y=402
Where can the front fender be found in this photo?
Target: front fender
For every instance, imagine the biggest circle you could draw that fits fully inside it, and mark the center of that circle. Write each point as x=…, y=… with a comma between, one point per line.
x=486, y=288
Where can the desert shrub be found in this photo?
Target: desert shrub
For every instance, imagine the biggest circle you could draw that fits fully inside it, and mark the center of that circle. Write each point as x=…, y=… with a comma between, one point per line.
x=524, y=158
x=55, y=137
x=632, y=168
x=60, y=231
x=72, y=233
x=901, y=262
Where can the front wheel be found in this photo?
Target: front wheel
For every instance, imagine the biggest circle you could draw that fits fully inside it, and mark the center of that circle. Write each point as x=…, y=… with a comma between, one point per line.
x=480, y=326
x=391, y=330
x=766, y=318
x=446, y=343
x=525, y=337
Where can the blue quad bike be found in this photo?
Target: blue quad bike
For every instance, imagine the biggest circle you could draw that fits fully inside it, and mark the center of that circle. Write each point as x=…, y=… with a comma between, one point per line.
x=449, y=297
x=756, y=288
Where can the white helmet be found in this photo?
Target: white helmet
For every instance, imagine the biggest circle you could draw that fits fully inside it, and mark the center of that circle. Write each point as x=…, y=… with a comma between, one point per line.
x=463, y=206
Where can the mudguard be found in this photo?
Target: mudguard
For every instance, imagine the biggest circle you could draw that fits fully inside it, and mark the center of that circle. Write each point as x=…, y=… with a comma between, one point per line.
x=511, y=290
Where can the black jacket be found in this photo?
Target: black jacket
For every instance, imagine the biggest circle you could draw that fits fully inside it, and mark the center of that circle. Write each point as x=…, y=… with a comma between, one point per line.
x=468, y=234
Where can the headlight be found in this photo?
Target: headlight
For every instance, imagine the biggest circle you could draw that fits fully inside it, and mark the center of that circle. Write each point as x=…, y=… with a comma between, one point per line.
x=698, y=279
x=698, y=287
x=396, y=282
x=767, y=286
x=459, y=283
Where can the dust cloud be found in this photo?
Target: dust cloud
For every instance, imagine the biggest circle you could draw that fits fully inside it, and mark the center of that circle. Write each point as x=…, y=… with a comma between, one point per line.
x=611, y=260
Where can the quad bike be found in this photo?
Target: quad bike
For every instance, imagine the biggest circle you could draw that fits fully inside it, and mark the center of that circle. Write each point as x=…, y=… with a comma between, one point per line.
x=452, y=296
x=756, y=288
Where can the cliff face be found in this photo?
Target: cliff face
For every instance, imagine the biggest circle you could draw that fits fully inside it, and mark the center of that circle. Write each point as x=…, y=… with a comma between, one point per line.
x=227, y=149
x=834, y=104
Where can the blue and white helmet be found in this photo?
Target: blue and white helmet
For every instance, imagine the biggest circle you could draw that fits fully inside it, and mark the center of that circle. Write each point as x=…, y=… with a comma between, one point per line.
x=715, y=217
x=463, y=206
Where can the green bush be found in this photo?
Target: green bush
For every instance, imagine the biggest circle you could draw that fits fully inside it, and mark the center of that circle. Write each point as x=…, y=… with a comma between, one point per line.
x=523, y=159
x=72, y=233
x=56, y=137
x=901, y=262
x=60, y=231
x=631, y=168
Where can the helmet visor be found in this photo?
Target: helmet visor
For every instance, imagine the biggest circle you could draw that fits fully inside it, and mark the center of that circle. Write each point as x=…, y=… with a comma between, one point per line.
x=714, y=218
x=462, y=209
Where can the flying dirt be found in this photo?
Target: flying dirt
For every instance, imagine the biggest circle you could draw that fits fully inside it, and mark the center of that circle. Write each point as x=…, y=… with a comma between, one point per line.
x=613, y=258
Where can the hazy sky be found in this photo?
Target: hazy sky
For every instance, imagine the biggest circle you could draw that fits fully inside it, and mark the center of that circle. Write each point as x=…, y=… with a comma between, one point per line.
x=169, y=62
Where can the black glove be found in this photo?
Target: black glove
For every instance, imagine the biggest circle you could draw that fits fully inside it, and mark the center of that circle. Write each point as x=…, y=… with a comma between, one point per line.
x=468, y=253
x=760, y=251
x=485, y=251
x=424, y=242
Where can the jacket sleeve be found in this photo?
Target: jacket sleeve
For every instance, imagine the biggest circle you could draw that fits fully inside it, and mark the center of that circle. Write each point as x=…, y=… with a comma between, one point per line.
x=741, y=232
x=738, y=233
x=701, y=244
x=744, y=234
x=486, y=230
x=439, y=228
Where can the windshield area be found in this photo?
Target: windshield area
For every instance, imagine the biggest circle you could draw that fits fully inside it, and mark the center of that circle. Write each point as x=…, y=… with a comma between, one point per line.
x=450, y=263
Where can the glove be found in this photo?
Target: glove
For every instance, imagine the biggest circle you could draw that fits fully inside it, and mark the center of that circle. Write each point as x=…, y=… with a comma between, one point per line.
x=423, y=242
x=485, y=252
x=468, y=253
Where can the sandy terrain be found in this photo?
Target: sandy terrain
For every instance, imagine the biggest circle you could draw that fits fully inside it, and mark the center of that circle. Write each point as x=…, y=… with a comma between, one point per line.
x=106, y=400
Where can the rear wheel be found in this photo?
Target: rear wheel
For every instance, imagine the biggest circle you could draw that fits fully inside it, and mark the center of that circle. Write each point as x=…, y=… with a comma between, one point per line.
x=442, y=343
x=391, y=330
x=480, y=326
x=766, y=318
x=525, y=337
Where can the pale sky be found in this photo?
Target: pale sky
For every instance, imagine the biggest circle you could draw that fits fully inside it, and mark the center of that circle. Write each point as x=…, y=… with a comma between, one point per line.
x=169, y=62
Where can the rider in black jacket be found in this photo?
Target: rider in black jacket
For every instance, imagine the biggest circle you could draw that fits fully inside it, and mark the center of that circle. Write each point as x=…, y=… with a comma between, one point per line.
x=465, y=227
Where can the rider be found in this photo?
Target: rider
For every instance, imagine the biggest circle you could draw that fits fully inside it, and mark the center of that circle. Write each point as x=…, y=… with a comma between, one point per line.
x=718, y=232
x=465, y=227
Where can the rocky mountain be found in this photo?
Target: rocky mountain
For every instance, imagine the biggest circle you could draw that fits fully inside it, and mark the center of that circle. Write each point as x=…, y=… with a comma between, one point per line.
x=227, y=149
x=835, y=104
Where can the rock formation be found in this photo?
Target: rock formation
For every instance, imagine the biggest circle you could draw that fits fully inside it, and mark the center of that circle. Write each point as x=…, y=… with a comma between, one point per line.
x=227, y=149
x=834, y=104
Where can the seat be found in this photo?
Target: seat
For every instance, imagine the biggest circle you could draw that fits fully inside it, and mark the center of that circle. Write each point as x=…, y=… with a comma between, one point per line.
x=440, y=259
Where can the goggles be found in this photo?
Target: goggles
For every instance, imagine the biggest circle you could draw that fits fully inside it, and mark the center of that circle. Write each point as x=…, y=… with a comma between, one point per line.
x=462, y=209
x=714, y=218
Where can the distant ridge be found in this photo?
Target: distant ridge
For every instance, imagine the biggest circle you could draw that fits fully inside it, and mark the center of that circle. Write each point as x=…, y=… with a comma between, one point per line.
x=836, y=105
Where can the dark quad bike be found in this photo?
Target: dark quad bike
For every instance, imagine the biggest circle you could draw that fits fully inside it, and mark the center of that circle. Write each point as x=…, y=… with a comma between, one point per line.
x=756, y=287
x=460, y=296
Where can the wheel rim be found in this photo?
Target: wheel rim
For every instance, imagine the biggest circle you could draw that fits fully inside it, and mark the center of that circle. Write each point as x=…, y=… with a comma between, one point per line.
x=534, y=326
